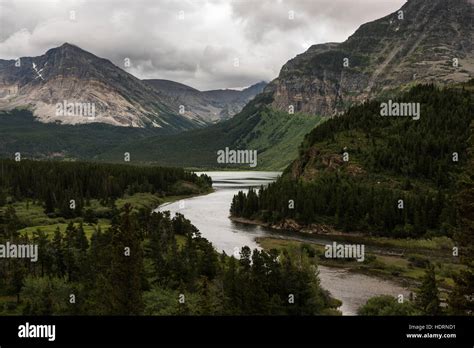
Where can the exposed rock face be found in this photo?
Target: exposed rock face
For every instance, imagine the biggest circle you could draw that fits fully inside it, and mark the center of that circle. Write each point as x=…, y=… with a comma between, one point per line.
x=78, y=79
x=426, y=41
x=205, y=107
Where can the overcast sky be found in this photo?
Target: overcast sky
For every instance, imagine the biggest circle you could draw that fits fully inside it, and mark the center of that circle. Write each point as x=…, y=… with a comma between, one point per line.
x=206, y=44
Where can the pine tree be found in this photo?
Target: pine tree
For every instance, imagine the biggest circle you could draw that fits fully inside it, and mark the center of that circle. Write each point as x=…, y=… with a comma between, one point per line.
x=80, y=239
x=127, y=266
x=11, y=224
x=427, y=298
x=44, y=250
x=70, y=252
x=58, y=253
x=205, y=301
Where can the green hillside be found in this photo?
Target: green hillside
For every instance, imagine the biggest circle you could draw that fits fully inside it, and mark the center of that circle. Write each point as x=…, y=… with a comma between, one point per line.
x=390, y=181
x=390, y=159
x=274, y=134
x=20, y=132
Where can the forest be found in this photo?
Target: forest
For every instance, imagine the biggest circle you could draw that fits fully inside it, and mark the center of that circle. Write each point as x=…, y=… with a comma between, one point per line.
x=131, y=260
x=151, y=264
x=54, y=184
x=106, y=258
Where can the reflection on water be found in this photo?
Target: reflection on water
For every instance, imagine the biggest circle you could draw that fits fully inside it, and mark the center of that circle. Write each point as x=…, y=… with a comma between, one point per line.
x=210, y=214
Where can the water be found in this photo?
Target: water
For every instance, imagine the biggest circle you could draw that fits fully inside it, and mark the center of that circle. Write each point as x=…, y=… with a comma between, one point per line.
x=210, y=214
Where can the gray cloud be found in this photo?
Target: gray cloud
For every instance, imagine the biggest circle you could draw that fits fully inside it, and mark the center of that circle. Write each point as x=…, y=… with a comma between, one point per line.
x=196, y=42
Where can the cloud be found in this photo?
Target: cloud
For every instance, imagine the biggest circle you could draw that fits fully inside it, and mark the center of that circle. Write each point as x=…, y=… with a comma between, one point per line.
x=196, y=42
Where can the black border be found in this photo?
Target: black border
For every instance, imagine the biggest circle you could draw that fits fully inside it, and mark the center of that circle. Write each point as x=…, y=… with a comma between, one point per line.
x=243, y=331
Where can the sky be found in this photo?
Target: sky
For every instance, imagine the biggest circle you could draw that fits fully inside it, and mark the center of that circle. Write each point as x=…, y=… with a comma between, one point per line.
x=206, y=44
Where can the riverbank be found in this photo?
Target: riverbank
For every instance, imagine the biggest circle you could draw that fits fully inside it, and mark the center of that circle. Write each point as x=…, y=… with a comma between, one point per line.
x=172, y=199
x=441, y=245
x=32, y=216
x=402, y=261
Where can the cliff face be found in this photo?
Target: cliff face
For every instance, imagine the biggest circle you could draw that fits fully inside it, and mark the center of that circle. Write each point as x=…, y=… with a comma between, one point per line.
x=425, y=41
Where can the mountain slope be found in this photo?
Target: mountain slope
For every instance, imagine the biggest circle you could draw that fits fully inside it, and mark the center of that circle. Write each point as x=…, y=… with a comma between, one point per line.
x=20, y=132
x=386, y=56
x=68, y=74
x=391, y=176
x=416, y=44
x=274, y=134
x=208, y=106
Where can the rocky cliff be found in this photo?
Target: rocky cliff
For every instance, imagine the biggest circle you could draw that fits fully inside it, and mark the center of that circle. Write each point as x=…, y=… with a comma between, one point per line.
x=426, y=41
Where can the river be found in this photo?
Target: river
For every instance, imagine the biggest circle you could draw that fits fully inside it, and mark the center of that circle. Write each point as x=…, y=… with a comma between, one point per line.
x=210, y=214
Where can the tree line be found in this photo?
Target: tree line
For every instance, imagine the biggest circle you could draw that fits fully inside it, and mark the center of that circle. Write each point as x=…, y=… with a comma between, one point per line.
x=55, y=184
x=349, y=205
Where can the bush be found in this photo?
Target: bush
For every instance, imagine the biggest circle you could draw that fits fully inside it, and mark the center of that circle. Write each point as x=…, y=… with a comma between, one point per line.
x=310, y=251
x=89, y=217
x=386, y=305
x=418, y=261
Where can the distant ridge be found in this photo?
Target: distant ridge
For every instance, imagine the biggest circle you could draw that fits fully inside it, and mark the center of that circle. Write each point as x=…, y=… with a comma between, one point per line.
x=207, y=106
x=70, y=75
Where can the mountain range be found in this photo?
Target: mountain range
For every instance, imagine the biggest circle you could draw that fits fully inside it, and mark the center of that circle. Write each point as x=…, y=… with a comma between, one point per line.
x=425, y=41
x=71, y=75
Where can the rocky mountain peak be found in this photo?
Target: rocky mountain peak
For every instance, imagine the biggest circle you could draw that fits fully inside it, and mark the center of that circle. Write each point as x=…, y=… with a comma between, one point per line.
x=425, y=41
x=70, y=75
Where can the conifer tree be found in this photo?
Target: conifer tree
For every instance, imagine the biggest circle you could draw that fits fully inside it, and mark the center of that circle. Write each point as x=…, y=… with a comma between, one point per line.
x=427, y=298
x=127, y=265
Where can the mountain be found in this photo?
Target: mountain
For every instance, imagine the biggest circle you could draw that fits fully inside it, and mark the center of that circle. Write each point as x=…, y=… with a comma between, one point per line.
x=386, y=57
x=87, y=89
x=425, y=41
x=208, y=106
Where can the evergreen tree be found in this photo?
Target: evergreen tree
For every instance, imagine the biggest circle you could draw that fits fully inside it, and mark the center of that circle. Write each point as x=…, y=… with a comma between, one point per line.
x=45, y=254
x=427, y=297
x=57, y=250
x=127, y=266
